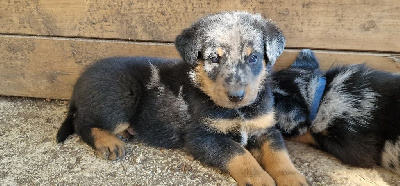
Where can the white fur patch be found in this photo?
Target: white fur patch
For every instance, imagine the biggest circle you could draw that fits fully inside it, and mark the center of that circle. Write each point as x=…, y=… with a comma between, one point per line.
x=311, y=90
x=391, y=156
x=154, y=78
x=307, y=87
x=209, y=67
x=302, y=84
x=182, y=105
x=286, y=120
x=280, y=91
x=233, y=30
x=234, y=27
x=193, y=77
x=337, y=103
x=245, y=137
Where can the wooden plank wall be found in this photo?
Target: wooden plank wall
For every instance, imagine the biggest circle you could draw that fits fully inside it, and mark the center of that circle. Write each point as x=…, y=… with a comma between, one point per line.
x=45, y=45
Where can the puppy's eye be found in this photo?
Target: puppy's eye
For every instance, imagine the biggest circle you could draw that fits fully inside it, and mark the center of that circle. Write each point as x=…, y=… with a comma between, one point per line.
x=253, y=58
x=215, y=59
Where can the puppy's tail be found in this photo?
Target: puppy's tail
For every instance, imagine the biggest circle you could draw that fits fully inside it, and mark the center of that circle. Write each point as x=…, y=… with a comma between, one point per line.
x=67, y=127
x=306, y=60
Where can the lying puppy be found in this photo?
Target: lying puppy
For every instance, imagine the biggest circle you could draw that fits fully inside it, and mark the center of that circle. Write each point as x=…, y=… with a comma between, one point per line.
x=352, y=112
x=216, y=104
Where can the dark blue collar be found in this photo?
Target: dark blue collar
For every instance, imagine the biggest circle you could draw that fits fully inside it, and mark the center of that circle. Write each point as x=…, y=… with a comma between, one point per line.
x=317, y=98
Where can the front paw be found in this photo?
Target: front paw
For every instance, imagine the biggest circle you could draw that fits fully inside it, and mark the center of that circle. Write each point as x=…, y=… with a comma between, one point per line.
x=259, y=179
x=292, y=179
x=246, y=171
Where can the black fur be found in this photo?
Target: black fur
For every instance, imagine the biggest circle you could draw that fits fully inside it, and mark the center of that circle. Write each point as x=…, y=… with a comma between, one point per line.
x=164, y=101
x=358, y=120
x=114, y=90
x=67, y=127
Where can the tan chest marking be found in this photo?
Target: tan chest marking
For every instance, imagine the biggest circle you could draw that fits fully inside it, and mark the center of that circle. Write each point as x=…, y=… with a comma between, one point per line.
x=239, y=124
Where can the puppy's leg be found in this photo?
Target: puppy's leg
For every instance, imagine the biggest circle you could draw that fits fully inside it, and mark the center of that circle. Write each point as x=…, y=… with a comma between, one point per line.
x=306, y=138
x=105, y=142
x=219, y=151
x=246, y=170
x=269, y=150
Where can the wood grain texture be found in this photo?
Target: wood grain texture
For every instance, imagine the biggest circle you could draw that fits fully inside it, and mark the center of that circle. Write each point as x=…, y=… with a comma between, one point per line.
x=49, y=67
x=366, y=25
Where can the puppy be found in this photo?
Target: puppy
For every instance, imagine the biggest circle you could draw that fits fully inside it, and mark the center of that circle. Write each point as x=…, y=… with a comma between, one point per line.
x=349, y=111
x=216, y=104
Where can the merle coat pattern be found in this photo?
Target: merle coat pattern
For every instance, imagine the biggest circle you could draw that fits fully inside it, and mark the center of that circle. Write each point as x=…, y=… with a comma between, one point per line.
x=216, y=104
x=358, y=119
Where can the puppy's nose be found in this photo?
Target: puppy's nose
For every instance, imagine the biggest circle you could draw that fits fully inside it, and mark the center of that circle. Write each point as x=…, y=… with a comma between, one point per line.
x=236, y=96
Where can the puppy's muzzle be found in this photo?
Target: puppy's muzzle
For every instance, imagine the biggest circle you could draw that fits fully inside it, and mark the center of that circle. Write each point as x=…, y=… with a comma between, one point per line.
x=235, y=96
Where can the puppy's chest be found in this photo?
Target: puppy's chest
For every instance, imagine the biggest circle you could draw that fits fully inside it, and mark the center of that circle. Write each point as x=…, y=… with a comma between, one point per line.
x=242, y=128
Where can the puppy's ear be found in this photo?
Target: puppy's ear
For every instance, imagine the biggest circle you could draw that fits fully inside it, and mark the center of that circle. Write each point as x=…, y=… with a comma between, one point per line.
x=188, y=45
x=274, y=42
x=306, y=60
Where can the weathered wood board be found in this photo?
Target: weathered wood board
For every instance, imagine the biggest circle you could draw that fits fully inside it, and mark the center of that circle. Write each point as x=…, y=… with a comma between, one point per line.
x=45, y=45
x=366, y=25
x=48, y=67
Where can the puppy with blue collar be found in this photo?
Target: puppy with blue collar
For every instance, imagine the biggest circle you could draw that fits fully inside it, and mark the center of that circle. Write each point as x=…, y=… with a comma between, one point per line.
x=352, y=111
x=216, y=103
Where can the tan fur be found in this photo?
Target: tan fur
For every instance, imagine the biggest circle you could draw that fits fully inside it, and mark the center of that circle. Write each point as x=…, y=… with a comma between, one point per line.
x=207, y=85
x=305, y=138
x=251, y=125
x=249, y=50
x=220, y=51
x=259, y=123
x=246, y=171
x=214, y=90
x=107, y=145
x=224, y=125
x=278, y=164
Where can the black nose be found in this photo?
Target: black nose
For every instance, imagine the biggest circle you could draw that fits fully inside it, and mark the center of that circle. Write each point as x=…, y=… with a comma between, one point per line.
x=236, y=96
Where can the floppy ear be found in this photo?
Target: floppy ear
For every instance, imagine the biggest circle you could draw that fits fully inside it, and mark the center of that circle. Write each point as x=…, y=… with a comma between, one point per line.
x=188, y=45
x=274, y=42
x=306, y=60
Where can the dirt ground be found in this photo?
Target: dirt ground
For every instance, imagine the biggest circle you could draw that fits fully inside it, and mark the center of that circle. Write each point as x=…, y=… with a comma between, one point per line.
x=30, y=155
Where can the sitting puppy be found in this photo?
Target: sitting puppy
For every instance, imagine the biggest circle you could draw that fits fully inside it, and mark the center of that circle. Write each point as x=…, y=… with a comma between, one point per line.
x=216, y=104
x=352, y=112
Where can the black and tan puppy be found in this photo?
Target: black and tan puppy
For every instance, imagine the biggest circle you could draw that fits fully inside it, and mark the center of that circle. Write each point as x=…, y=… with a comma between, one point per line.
x=352, y=112
x=216, y=104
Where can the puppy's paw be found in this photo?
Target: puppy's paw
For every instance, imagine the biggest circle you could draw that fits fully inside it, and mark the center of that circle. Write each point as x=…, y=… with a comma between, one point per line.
x=292, y=179
x=107, y=145
x=246, y=171
x=112, y=150
x=279, y=165
x=261, y=179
